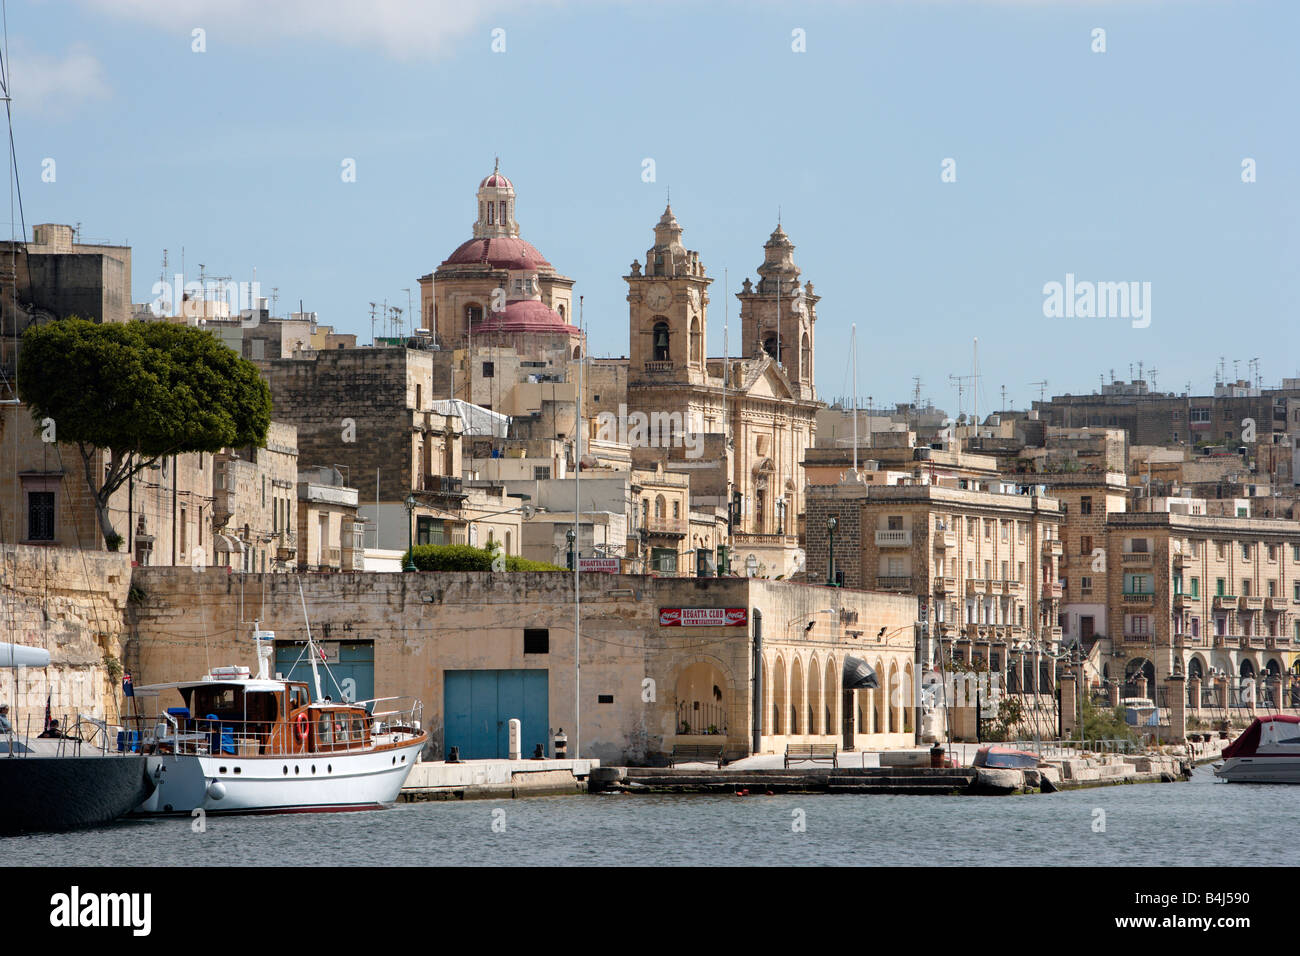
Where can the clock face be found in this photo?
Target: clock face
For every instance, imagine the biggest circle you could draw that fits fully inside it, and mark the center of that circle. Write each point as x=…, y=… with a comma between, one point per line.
x=658, y=297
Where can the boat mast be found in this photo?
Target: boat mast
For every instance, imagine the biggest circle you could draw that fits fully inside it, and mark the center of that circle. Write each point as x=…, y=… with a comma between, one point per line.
x=311, y=645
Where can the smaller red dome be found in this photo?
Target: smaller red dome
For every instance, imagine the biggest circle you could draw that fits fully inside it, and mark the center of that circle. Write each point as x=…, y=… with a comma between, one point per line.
x=496, y=179
x=525, y=315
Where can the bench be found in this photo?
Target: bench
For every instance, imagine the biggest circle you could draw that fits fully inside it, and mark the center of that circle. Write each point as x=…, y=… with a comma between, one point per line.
x=813, y=753
x=697, y=753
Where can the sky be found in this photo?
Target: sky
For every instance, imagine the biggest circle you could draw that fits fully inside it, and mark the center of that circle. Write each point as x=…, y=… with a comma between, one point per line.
x=937, y=163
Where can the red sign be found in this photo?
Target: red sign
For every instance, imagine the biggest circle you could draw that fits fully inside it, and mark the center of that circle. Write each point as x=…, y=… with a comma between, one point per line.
x=598, y=565
x=703, y=617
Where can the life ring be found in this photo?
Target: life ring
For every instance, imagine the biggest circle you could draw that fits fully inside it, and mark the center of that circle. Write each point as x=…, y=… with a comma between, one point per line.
x=300, y=724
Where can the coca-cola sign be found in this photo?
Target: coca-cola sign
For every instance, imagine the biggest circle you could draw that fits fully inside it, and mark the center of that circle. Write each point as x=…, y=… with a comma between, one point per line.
x=703, y=617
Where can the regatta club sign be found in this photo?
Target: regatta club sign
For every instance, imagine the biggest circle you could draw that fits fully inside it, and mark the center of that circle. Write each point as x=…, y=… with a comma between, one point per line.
x=598, y=565
x=703, y=617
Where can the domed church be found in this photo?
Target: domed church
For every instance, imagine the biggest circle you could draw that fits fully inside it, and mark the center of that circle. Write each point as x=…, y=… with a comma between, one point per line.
x=497, y=289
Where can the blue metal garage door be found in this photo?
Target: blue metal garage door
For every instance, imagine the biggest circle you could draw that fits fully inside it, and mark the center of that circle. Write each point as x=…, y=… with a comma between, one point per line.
x=478, y=707
x=351, y=674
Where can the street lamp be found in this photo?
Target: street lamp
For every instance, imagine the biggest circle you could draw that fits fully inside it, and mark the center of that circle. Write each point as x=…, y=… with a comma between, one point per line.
x=780, y=515
x=569, y=537
x=410, y=544
x=831, y=524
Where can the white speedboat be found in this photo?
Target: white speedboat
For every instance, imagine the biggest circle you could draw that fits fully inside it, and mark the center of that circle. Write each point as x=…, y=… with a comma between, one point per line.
x=243, y=744
x=1268, y=751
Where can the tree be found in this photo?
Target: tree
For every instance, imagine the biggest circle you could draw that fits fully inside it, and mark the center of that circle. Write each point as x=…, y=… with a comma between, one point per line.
x=139, y=392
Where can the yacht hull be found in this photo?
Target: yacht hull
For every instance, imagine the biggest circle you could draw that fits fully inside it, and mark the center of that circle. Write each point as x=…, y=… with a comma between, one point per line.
x=298, y=783
x=1260, y=769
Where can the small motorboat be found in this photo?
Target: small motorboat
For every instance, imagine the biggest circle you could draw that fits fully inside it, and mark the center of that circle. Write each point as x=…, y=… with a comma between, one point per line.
x=1268, y=751
x=1005, y=758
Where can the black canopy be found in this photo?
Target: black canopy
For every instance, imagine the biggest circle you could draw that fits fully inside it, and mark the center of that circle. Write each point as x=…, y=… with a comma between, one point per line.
x=858, y=675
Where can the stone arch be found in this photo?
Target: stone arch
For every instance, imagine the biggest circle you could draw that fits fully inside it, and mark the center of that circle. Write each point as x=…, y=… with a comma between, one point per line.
x=814, y=706
x=797, y=702
x=780, y=702
x=805, y=358
x=908, y=699
x=697, y=340
x=661, y=340
x=831, y=697
x=893, y=716
x=880, y=700
x=1138, y=666
x=768, y=669
x=703, y=691
x=577, y=351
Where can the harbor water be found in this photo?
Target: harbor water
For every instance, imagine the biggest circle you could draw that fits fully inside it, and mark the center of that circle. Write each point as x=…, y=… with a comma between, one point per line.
x=1201, y=822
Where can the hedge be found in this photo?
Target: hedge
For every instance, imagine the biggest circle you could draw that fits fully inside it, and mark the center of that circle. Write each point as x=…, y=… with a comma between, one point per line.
x=466, y=557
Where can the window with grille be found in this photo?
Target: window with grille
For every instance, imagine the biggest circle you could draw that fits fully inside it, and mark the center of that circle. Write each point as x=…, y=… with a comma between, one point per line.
x=40, y=516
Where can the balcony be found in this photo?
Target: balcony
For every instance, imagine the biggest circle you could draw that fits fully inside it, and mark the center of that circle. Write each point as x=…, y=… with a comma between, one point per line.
x=655, y=368
x=1053, y=547
x=669, y=527
x=1181, y=561
x=1138, y=638
x=1137, y=597
x=894, y=539
x=1275, y=604
x=1225, y=602
x=1256, y=641
x=1179, y=600
x=1251, y=602
x=1008, y=586
x=1052, y=635
x=945, y=585
x=1275, y=641
x=1053, y=592
x=741, y=538
x=987, y=633
x=893, y=583
x=1227, y=640
x=976, y=586
x=442, y=485
x=945, y=540
x=1135, y=557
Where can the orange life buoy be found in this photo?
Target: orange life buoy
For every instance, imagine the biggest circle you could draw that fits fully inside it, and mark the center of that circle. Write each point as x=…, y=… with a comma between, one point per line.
x=301, y=723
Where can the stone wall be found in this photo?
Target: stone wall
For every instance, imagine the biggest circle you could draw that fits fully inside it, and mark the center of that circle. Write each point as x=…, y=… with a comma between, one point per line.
x=72, y=603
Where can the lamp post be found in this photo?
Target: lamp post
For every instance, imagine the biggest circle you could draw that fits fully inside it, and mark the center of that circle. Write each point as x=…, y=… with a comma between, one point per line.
x=410, y=544
x=780, y=515
x=831, y=524
x=569, y=537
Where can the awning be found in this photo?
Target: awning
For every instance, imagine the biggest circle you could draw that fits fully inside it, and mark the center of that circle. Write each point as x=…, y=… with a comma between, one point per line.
x=858, y=675
x=227, y=543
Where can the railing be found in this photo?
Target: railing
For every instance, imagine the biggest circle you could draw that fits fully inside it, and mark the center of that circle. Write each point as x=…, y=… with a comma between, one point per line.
x=1137, y=597
x=441, y=484
x=327, y=732
x=778, y=540
x=945, y=539
x=658, y=366
x=1251, y=602
x=701, y=717
x=1225, y=601
x=665, y=525
x=976, y=586
x=69, y=735
x=1135, y=557
x=893, y=582
x=1066, y=748
x=894, y=539
x=945, y=585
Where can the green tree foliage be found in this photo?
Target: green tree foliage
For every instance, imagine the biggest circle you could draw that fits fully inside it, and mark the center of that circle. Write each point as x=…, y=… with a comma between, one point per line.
x=139, y=392
x=466, y=557
x=1105, y=723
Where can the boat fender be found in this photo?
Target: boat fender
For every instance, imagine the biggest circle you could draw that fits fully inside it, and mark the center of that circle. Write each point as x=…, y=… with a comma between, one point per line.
x=216, y=790
x=300, y=725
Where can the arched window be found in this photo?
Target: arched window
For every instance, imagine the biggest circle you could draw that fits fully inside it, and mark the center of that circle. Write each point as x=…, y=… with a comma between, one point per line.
x=659, y=506
x=661, y=342
x=696, y=340
x=805, y=358
x=577, y=351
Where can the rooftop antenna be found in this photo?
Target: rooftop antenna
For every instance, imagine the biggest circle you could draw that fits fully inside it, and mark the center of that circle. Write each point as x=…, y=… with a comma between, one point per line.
x=1235, y=374
x=1152, y=373
x=275, y=297
x=372, y=324
x=1004, y=398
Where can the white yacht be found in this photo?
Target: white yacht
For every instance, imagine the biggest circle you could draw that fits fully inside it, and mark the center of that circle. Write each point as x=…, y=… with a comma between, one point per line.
x=1268, y=751
x=235, y=743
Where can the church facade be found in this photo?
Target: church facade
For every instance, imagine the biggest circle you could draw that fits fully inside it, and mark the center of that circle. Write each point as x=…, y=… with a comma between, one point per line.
x=755, y=411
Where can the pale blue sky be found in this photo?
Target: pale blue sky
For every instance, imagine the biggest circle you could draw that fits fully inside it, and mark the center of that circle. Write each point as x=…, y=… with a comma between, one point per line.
x=1115, y=166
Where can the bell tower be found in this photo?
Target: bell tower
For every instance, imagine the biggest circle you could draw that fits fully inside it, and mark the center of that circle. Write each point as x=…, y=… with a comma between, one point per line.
x=667, y=311
x=777, y=314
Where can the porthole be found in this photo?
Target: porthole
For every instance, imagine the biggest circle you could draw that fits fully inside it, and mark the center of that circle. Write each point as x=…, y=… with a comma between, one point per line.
x=329, y=768
x=297, y=769
x=221, y=769
x=313, y=768
x=394, y=760
x=286, y=770
x=239, y=770
x=403, y=758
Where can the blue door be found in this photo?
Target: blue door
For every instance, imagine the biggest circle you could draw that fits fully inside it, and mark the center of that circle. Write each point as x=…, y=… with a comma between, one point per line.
x=351, y=676
x=478, y=707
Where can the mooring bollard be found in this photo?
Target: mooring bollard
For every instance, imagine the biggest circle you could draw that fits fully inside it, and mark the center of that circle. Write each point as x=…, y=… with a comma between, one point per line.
x=561, y=745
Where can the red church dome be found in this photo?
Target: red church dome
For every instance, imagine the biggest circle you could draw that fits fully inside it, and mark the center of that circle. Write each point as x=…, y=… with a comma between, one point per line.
x=499, y=252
